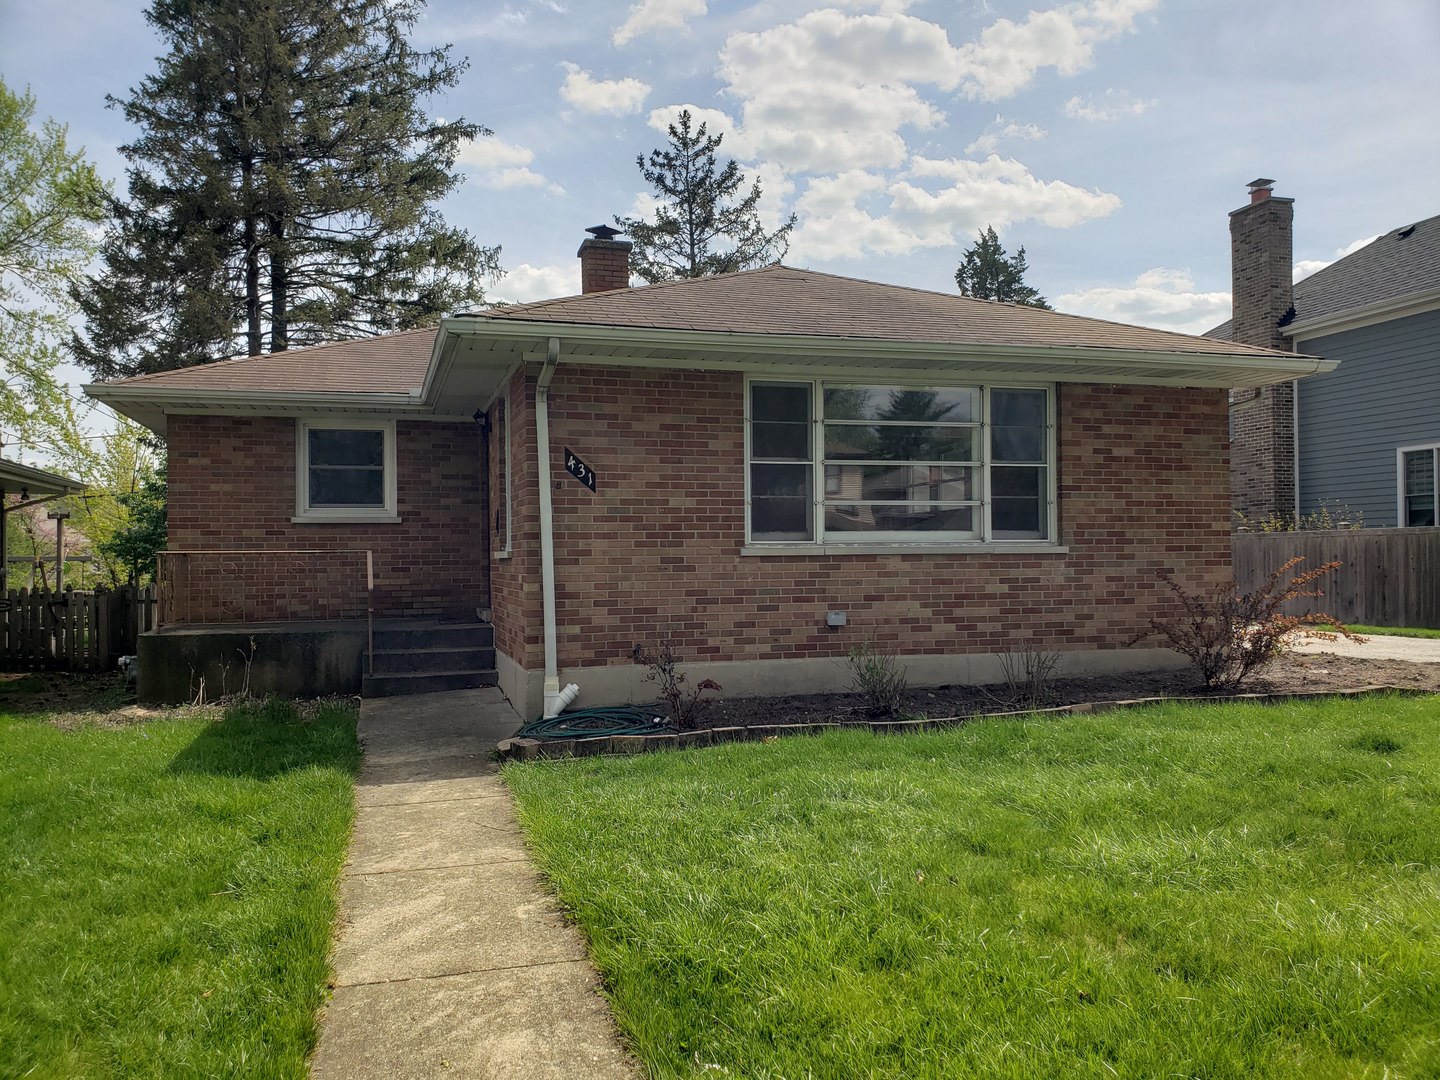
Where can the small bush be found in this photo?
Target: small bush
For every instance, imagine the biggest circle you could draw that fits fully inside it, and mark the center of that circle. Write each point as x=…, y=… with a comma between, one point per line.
x=878, y=677
x=1327, y=516
x=1027, y=672
x=686, y=705
x=1229, y=635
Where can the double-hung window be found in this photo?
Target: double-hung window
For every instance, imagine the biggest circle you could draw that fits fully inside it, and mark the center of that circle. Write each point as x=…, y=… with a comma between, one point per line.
x=1419, y=468
x=840, y=462
x=345, y=471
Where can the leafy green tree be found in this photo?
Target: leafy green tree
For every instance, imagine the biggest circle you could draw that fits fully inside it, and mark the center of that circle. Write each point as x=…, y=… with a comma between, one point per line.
x=987, y=273
x=283, y=188
x=700, y=228
x=50, y=198
x=136, y=542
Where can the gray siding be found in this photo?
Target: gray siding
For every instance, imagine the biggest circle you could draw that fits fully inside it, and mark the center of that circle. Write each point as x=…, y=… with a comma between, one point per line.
x=1385, y=394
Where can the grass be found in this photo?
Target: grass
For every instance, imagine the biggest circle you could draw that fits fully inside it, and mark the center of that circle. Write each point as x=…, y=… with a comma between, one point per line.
x=1395, y=631
x=169, y=889
x=1196, y=890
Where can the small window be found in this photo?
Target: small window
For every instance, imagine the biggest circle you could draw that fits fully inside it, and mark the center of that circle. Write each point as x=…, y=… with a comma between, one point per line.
x=1419, y=483
x=345, y=472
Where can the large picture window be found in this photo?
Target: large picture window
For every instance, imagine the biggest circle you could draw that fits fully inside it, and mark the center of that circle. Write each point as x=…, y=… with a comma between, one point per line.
x=836, y=463
x=345, y=471
x=1419, y=468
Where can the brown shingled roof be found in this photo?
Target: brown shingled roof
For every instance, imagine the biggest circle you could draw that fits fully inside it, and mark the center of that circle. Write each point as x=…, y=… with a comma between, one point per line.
x=786, y=301
x=389, y=364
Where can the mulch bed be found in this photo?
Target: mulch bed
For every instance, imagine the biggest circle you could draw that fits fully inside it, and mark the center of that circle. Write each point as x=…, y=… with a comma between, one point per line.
x=740, y=719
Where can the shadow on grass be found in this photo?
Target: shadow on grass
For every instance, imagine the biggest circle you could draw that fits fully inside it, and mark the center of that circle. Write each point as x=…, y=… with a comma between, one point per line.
x=266, y=739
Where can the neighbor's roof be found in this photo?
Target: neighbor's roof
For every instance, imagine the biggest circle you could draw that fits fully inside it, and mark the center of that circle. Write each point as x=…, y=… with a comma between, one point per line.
x=1404, y=262
x=776, y=300
x=15, y=477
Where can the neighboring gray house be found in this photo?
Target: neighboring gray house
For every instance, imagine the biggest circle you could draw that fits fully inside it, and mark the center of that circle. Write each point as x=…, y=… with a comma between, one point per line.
x=1366, y=435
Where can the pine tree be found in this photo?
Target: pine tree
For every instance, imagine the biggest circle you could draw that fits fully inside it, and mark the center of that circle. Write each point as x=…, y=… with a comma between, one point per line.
x=282, y=189
x=987, y=274
x=698, y=230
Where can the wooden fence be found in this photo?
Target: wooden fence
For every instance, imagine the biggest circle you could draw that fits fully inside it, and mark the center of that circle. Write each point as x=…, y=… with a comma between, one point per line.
x=1389, y=577
x=73, y=630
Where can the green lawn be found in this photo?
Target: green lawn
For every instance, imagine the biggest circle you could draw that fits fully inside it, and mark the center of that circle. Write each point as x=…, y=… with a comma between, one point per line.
x=1192, y=890
x=1395, y=631
x=168, y=890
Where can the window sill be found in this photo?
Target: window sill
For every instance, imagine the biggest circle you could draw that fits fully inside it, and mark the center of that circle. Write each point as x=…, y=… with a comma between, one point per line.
x=1003, y=547
x=503, y=554
x=346, y=519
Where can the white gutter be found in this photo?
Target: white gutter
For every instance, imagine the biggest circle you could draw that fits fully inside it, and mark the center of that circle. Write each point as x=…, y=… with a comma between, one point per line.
x=1280, y=367
x=553, y=703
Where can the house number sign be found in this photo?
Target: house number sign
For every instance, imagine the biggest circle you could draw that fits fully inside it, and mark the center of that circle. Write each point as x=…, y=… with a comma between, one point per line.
x=578, y=469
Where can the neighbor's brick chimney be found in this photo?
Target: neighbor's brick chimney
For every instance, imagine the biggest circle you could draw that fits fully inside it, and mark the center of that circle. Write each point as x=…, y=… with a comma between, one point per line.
x=604, y=261
x=1262, y=422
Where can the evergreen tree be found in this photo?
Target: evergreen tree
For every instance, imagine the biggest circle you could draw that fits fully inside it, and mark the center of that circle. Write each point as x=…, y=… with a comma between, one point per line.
x=282, y=189
x=987, y=274
x=698, y=229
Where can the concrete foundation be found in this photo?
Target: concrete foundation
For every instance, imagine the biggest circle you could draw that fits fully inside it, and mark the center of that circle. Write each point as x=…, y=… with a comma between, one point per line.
x=297, y=659
x=624, y=684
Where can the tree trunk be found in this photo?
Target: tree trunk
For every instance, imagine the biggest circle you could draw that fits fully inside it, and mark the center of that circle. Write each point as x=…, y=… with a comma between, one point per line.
x=279, y=288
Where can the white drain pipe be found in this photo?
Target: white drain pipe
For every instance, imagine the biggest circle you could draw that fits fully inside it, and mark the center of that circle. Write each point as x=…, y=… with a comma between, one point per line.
x=555, y=699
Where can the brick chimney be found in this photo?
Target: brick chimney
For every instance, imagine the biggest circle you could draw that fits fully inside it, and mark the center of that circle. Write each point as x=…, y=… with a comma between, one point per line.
x=604, y=261
x=1262, y=422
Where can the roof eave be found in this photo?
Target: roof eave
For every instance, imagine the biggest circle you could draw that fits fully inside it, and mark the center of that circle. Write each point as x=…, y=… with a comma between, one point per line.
x=1366, y=315
x=148, y=405
x=1224, y=369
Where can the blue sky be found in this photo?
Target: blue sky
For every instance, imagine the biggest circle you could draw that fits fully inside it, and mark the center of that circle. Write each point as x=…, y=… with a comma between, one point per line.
x=1109, y=137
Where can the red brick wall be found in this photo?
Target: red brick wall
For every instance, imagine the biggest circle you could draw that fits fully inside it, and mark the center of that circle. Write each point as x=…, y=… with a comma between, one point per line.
x=232, y=487
x=515, y=581
x=1143, y=485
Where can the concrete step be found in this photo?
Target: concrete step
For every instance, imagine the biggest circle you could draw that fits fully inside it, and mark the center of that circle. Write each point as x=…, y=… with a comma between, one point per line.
x=435, y=635
x=433, y=658
x=426, y=682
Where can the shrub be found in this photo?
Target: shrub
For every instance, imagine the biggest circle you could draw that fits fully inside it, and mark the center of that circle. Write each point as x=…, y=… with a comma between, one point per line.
x=1229, y=635
x=685, y=704
x=878, y=677
x=1327, y=516
x=1027, y=672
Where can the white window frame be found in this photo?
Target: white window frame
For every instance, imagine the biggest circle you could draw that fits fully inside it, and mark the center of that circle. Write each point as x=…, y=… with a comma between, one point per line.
x=506, y=473
x=1400, y=453
x=336, y=515
x=860, y=543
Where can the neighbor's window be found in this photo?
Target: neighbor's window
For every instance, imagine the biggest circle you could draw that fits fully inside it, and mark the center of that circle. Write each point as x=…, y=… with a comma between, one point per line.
x=899, y=463
x=346, y=471
x=1419, y=482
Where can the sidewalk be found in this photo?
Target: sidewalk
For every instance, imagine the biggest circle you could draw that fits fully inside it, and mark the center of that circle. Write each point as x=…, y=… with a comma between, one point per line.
x=452, y=958
x=1378, y=647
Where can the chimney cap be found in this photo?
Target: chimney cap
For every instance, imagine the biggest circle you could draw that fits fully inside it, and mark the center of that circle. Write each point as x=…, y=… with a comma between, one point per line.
x=603, y=232
x=1260, y=184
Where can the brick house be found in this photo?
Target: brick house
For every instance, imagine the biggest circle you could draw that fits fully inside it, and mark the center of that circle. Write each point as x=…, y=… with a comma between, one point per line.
x=773, y=466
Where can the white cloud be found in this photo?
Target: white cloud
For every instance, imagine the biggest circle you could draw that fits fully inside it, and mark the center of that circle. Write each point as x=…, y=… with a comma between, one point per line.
x=1111, y=105
x=526, y=283
x=999, y=130
x=1008, y=55
x=1163, y=298
x=500, y=164
x=614, y=96
x=859, y=212
x=651, y=15
x=833, y=90
x=1305, y=267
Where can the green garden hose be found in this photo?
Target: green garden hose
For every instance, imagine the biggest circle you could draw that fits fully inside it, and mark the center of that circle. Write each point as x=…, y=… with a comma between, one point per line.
x=593, y=723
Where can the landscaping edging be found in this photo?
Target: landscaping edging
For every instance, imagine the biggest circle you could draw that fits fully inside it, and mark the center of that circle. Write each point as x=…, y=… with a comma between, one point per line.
x=518, y=749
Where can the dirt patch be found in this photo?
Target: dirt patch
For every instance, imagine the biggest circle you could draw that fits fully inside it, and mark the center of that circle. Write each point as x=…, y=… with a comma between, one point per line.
x=69, y=700
x=1312, y=673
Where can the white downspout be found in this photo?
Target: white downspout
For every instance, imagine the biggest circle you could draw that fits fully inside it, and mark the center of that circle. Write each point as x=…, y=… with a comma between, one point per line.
x=553, y=702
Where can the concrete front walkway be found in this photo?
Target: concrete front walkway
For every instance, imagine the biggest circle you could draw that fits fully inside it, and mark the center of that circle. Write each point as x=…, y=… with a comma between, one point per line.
x=452, y=958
